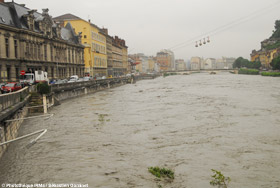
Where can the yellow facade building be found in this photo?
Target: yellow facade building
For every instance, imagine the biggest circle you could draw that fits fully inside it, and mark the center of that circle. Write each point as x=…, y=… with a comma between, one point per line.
x=93, y=39
x=151, y=63
x=265, y=57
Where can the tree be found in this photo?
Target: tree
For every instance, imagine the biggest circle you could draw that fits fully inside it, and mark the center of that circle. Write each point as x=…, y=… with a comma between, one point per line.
x=275, y=63
x=241, y=62
x=237, y=63
x=257, y=64
x=276, y=32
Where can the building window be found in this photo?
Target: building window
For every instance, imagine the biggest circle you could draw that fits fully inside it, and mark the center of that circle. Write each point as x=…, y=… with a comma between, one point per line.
x=39, y=49
x=17, y=73
x=16, y=48
x=27, y=49
x=35, y=51
x=72, y=56
x=32, y=50
x=7, y=47
x=69, y=59
x=51, y=53
x=45, y=52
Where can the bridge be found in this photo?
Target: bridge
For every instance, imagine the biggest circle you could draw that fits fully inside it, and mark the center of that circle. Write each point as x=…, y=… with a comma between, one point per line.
x=181, y=72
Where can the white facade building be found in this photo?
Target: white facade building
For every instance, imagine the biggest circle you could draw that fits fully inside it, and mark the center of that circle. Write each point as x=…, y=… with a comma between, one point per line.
x=209, y=63
x=196, y=63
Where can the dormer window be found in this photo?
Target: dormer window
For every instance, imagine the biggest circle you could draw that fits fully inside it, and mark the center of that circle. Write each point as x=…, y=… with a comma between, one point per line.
x=31, y=27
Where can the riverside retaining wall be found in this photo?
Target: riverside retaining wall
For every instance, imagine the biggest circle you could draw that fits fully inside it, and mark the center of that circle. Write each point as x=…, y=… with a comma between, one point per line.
x=9, y=130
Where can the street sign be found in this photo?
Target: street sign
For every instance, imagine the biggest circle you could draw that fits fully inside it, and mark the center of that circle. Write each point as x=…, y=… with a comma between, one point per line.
x=22, y=72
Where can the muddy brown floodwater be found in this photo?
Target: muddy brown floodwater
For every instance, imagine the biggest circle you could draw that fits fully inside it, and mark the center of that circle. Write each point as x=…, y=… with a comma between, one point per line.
x=190, y=124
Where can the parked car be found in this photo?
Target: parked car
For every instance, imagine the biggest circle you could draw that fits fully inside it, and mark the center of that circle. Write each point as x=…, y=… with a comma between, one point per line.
x=98, y=78
x=87, y=78
x=2, y=86
x=11, y=87
x=73, y=78
x=52, y=81
x=61, y=81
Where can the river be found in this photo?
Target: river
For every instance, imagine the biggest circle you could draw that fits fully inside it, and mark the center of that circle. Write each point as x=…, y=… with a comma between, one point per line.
x=190, y=124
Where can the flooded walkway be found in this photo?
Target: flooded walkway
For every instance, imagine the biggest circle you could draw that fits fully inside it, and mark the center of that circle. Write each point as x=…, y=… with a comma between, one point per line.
x=191, y=124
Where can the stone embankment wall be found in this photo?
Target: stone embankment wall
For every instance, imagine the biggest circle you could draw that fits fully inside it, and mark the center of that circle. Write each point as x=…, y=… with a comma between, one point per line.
x=12, y=107
x=9, y=130
x=70, y=90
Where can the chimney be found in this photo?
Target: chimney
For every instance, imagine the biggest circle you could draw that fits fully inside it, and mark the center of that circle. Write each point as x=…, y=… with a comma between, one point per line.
x=105, y=30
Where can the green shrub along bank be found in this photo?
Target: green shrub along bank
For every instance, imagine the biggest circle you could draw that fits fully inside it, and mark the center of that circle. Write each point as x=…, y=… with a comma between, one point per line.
x=274, y=74
x=161, y=172
x=248, y=71
x=169, y=74
x=43, y=88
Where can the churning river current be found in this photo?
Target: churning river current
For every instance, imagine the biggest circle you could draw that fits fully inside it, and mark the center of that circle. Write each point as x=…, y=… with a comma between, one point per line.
x=190, y=124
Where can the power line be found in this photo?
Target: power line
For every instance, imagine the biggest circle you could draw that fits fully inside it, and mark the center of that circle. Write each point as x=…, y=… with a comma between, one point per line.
x=227, y=26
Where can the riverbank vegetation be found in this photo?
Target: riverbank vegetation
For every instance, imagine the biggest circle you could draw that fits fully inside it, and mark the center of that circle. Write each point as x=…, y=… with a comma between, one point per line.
x=273, y=74
x=248, y=71
x=169, y=74
x=241, y=62
x=219, y=179
x=275, y=64
x=161, y=172
x=43, y=88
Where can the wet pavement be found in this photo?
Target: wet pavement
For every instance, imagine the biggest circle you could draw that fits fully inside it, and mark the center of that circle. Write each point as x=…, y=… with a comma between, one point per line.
x=190, y=124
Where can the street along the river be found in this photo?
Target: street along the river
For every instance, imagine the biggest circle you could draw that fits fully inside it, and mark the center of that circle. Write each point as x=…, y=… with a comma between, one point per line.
x=190, y=124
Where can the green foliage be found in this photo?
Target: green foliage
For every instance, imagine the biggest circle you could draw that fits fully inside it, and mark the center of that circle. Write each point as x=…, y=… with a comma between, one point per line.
x=248, y=71
x=241, y=62
x=169, y=74
x=43, y=88
x=219, y=179
x=273, y=74
x=272, y=46
x=275, y=64
x=101, y=118
x=276, y=32
x=237, y=63
x=161, y=172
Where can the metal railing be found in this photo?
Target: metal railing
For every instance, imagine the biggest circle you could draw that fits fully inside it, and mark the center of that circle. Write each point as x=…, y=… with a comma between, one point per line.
x=43, y=131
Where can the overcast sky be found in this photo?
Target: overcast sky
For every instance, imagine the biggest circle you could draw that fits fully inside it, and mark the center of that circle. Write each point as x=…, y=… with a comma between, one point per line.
x=151, y=25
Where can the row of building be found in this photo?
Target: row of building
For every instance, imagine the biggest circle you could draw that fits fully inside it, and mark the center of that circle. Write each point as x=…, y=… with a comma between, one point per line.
x=165, y=61
x=198, y=63
x=62, y=46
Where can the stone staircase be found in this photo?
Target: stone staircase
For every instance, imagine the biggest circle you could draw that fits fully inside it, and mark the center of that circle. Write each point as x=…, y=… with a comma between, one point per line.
x=36, y=101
